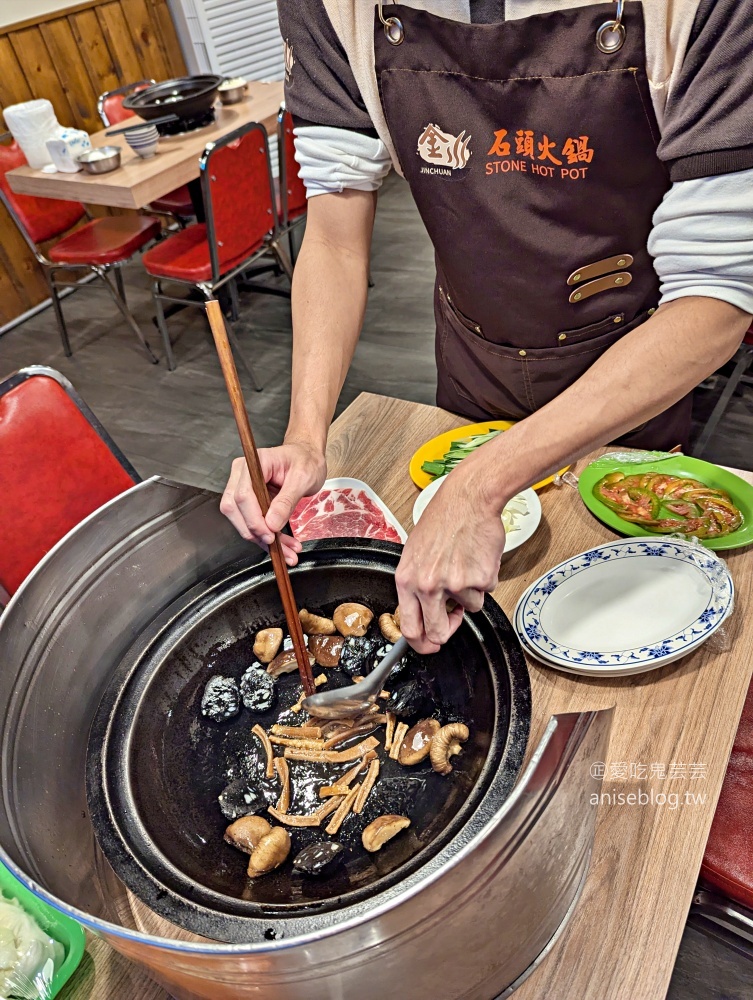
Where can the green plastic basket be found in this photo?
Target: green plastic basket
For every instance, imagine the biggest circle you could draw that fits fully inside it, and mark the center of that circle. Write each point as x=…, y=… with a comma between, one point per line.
x=57, y=925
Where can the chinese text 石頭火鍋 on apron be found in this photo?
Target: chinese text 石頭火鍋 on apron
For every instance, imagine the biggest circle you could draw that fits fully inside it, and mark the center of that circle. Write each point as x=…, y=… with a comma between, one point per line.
x=531, y=154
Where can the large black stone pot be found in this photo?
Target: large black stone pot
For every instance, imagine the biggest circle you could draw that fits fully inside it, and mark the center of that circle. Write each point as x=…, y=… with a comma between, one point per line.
x=189, y=97
x=156, y=766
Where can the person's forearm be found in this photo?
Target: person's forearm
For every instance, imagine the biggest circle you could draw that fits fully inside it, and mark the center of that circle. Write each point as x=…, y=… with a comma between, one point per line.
x=643, y=374
x=330, y=286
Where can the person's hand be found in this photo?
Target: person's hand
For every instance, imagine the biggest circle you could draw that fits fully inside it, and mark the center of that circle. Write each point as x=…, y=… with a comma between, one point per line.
x=293, y=470
x=452, y=554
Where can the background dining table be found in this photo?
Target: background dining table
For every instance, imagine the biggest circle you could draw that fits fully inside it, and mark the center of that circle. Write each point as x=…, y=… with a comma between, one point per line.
x=137, y=181
x=673, y=730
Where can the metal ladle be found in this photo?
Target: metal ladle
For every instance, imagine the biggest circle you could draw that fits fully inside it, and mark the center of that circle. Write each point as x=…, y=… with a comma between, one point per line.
x=356, y=698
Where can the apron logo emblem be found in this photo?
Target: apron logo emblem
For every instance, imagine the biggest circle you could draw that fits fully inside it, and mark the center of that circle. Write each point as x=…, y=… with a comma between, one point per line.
x=289, y=61
x=544, y=157
x=444, y=152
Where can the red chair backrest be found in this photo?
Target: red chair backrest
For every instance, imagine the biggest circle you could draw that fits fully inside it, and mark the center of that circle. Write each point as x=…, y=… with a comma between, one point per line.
x=112, y=104
x=295, y=189
x=56, y=470
x=43, y=218
x=238, y=196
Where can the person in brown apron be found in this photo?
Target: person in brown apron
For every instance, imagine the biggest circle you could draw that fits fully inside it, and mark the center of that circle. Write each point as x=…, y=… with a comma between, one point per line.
x=541, y=212
x=530, y=147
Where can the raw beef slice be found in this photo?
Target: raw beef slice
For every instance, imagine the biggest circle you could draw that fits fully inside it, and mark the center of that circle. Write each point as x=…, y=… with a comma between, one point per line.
x=341, y=513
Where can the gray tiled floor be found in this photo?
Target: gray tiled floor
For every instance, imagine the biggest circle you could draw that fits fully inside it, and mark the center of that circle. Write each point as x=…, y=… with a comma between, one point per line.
x=179, y=424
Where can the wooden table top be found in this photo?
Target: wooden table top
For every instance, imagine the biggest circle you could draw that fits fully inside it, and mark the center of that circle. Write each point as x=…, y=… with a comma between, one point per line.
x=137, y=182
x=623, y=938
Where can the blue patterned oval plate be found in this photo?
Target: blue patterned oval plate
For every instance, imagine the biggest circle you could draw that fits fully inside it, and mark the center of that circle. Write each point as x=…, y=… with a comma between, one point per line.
x=626, y=607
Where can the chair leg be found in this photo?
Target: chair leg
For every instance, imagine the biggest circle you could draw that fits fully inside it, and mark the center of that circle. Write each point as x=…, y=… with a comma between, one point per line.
x=162, y=324
x=57, y=306
x=718, y=412
x=126, y=314
x=234, y=302
x=282, y=259
x=239, y=353
x=237, y=350
x=119, y=283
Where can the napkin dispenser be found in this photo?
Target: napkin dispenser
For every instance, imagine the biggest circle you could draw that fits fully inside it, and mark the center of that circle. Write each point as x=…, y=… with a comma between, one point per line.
x=31, y=124
x=65, y=150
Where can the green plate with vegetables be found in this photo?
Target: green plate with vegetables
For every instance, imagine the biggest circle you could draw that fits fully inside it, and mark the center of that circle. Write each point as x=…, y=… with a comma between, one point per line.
x=672, y=495
x=68, y=936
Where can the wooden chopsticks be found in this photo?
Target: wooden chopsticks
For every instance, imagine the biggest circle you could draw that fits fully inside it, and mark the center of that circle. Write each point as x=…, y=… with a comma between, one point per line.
x=230, y=373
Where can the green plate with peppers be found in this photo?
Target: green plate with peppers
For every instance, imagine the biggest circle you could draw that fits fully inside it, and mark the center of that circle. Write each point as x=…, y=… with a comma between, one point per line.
x=596, y=496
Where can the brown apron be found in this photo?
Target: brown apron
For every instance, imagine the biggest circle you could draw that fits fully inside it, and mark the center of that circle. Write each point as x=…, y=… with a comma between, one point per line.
x=531, y=154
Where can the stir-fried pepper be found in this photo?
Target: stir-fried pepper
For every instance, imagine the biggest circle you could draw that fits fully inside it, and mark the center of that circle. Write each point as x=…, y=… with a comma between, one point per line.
x=669, y=504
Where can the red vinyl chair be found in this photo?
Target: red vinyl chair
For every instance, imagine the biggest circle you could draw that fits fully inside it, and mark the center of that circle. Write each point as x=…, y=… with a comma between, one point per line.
x=241, y=226
x=110, y=104
x=99, y=247
x=58, y=465
x=292, y=204
x=724, y=899
x=178, y=203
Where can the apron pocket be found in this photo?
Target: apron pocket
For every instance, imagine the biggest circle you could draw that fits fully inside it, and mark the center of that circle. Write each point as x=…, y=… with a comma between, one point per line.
x=512, y=382
x=473, y=328
x=565, y=337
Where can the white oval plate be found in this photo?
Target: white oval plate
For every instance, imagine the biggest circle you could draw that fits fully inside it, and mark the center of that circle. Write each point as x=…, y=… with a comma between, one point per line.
x=593, y=670
x=527, y=523
x=625, y=607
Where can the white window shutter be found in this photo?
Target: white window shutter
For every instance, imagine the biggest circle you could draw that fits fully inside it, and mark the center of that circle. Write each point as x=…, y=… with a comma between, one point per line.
x=234, y=38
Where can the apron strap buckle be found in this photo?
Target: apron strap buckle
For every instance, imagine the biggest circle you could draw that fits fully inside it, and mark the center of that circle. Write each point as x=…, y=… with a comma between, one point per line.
x=393, y=26
x=610, y=37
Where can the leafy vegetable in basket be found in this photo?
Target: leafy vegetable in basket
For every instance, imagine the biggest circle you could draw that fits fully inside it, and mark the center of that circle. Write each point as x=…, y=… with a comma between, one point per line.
x=459, y=450
x=669, y=504
x=24, y=948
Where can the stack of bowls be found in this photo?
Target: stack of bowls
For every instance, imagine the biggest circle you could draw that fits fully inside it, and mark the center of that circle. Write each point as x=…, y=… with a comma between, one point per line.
x=143, y=140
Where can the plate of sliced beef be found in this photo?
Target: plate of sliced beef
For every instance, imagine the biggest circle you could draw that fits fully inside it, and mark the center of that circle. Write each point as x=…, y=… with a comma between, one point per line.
x=345, y=508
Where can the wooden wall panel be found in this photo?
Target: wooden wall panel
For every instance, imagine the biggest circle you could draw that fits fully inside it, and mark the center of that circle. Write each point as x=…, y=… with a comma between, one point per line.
x=82, y=97
x=14, y=87
x=36, y=64
x=146, y=39
x=93, y=50
x=70, y=57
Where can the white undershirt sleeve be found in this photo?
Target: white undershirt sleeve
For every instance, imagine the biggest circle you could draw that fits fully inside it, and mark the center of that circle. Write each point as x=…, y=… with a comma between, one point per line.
x=333, y=159
x=702, y=240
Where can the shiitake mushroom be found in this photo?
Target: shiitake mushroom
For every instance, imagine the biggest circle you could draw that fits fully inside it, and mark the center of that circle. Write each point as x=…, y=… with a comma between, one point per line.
x=326, y=649
x=270, y=852
x=267, y=644
x=382, y=829
x=285, y=663
x=316, y=624
x=352, y=619
x=416, y=744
